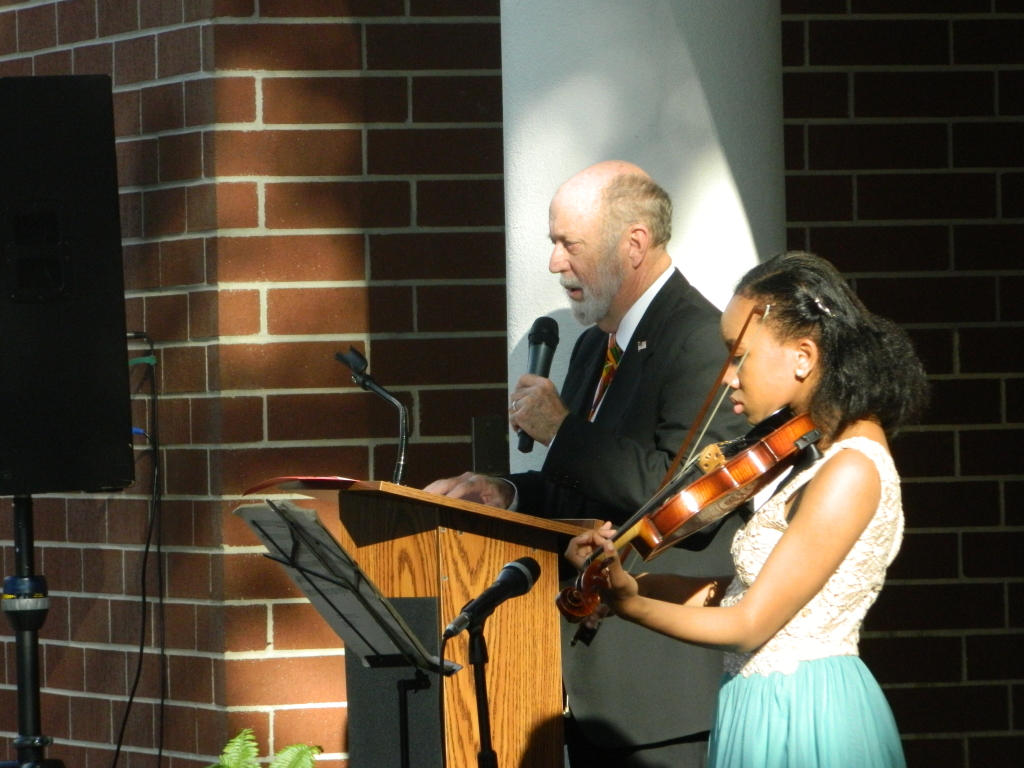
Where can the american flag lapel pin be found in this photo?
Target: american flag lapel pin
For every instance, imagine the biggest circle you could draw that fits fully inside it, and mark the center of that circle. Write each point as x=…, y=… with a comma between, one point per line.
x=641, y=346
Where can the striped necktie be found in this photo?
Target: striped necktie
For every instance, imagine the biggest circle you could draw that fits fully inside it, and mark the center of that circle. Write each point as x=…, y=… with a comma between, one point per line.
x=611, y=362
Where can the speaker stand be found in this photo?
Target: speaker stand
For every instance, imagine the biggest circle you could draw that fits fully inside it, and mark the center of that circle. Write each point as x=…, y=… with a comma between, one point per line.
x=26, y=603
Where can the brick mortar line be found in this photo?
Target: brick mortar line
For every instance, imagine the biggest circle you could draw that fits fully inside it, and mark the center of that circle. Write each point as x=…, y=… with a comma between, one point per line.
x=925, y=16
x=339, y=442
x=934, y=273
x=943, y=170
x=945, y=479
x=961, y=580
x=950, y=735
x=328, y=74
x=195, y=653
x=267, y=179
x=307, y=231
x=974, y=376
x=292, y=285
x=879, y=223
x=119, y=37
x=69, y=693
x=279, y=707
x=958, y=529
x=900, y=222
x=272, y=391
x=240, y=21
x=966, y=325
x=963, y=478
x=228, y=341
x=943, y=68
x=224, y=74
x=958, y=684
x=256, y=127
x=355, y=73
x=882, y=634
x=256, y=21
x=961, y=427
x=252, y=232
x=108, y=746
x=992, y=119
x=229, y=232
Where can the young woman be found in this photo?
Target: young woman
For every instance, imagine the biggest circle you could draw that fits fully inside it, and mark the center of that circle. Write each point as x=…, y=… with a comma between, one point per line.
x=812, y=559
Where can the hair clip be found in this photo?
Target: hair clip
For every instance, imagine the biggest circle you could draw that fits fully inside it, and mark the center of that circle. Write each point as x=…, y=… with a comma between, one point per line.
x=822, y=307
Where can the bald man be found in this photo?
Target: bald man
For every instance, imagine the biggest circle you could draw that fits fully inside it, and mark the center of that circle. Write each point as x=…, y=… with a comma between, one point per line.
x=636, y=699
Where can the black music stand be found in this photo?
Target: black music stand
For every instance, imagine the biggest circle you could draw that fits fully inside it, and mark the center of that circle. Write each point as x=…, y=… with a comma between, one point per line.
x=383, y=634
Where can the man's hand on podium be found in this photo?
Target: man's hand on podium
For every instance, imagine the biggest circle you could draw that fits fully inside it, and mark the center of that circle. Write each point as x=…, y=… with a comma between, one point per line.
x=492, y=491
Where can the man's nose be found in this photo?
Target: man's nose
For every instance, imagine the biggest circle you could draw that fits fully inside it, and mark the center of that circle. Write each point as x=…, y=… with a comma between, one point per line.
x=558, y=262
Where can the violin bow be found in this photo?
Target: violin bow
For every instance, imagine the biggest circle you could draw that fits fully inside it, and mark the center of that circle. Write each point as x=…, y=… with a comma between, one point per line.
x=586, y=634
x=626, y=530
x=763, y=312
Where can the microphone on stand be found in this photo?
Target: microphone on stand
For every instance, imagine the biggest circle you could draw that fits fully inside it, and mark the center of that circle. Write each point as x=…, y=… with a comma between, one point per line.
x=355, y=361
x=516, y=578
x=543, y=342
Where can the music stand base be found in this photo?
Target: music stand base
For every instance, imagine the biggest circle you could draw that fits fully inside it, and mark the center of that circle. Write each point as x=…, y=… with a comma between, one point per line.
x=378, y=727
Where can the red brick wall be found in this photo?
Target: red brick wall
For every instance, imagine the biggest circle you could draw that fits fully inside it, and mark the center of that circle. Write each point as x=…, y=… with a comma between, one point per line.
x=329, y=172
x=296, y=176
x=905, y=145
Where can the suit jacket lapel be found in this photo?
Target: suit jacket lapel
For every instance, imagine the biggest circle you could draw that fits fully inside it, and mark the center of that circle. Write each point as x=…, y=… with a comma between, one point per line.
x=622, y=391
x=582, y=382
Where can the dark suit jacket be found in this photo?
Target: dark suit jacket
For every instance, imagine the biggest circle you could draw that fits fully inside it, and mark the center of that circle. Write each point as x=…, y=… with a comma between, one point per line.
x=632, y=686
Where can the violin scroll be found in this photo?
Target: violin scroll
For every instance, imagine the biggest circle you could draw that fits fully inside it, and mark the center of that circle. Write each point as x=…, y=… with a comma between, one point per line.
x=580, y=600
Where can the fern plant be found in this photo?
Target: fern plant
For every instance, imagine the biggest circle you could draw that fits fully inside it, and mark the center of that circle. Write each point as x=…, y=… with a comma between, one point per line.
x=243, y=752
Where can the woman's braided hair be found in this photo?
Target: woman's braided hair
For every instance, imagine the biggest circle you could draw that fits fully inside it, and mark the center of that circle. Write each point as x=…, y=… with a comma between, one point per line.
x=868, y=366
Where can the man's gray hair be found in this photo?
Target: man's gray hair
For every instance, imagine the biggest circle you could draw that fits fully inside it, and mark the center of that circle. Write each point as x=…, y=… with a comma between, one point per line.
x=630, y=199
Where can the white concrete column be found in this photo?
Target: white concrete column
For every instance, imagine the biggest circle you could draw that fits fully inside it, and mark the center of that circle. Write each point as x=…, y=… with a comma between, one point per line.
x=690, y=90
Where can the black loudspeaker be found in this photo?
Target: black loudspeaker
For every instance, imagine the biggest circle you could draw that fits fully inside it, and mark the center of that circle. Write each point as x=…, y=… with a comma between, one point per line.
x=65, y=411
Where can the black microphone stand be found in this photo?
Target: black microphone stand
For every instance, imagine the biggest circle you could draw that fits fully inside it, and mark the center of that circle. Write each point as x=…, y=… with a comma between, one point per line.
x=486, y=757
x=357, y=364
x=26, y=603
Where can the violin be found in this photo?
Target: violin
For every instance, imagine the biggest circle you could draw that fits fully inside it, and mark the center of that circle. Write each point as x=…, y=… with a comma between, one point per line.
x=733, y=472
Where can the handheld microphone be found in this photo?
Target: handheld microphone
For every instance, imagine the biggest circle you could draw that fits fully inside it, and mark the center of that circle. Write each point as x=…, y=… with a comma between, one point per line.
x=543, y=342
x=516, y=578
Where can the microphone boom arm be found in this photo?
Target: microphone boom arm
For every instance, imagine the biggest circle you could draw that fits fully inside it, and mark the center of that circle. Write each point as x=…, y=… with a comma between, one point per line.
x=355, y=361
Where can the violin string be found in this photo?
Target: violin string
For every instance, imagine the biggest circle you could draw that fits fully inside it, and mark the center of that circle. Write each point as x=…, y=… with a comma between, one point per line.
x=692, y=458
x=630, y=561
x=694, y=455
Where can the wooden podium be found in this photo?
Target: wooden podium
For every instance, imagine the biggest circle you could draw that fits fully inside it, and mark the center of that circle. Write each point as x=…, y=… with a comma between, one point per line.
x=416, y=544
x=413, y=544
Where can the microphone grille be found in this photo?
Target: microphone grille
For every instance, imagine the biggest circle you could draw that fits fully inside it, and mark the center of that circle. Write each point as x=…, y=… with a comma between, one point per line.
x=530, y=565
x=544, y=331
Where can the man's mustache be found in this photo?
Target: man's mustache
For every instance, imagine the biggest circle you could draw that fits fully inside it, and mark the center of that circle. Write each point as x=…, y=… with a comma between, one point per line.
x=571, y=285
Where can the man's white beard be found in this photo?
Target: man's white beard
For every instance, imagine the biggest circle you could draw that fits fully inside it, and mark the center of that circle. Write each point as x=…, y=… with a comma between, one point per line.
x=597, y=298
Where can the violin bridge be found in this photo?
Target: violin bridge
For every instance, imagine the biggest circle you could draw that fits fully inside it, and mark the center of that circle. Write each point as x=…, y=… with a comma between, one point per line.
x=711, y=458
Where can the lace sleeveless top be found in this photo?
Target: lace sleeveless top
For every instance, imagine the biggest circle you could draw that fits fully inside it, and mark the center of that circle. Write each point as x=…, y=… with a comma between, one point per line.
x=829, y=625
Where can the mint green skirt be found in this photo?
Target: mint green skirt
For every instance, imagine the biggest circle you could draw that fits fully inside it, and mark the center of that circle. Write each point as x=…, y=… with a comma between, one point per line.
x=830, y=713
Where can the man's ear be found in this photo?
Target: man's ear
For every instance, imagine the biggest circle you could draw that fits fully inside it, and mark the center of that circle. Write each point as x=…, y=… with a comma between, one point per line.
x=638, y=240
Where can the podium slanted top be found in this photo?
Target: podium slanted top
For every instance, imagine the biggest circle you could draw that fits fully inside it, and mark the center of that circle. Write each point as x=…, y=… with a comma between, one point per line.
x=323, y=486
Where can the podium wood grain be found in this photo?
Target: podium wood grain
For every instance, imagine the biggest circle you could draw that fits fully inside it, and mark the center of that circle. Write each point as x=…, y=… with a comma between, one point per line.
x=414, y=544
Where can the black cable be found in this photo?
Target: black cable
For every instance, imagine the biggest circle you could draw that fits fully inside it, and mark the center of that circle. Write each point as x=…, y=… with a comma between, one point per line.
x=154, y=524
x=440, y=704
